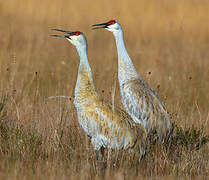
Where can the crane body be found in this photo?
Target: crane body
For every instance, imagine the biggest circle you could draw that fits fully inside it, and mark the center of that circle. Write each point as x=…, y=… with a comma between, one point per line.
x=107, y=126
x=140, y=101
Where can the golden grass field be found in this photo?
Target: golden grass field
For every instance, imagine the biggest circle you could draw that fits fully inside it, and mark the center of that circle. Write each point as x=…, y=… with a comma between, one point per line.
x=40, y=138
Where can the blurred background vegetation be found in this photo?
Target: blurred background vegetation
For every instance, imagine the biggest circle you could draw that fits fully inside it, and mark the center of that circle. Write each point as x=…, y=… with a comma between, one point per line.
x=168, y=42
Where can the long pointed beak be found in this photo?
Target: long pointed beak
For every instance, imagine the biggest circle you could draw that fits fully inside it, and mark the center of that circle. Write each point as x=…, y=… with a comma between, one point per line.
x=64, y=36
x=100, y=26
x=60, y=30
x=69, y=33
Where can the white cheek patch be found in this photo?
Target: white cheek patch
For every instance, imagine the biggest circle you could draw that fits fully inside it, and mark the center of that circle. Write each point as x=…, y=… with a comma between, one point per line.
x=69, y=40
x=114, y=27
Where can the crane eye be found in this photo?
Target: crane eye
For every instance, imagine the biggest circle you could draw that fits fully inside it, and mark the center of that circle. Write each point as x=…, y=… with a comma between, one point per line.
x=76, y=33
x=111, y=22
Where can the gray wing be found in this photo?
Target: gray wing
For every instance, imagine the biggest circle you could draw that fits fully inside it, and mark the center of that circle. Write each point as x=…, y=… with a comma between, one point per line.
x=142, y=103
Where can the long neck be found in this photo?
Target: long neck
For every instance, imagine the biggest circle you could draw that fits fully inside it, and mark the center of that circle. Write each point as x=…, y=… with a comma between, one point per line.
x=126, y=70
x=85, y=84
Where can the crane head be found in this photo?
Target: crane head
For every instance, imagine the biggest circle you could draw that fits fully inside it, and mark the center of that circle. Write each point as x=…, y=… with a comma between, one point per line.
x=111, y=25
x=76, y=38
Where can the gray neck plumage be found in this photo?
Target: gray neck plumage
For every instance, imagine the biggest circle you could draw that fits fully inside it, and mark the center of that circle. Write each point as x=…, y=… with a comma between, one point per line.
x=126, y=70
x=84, y=63
x=84, y=84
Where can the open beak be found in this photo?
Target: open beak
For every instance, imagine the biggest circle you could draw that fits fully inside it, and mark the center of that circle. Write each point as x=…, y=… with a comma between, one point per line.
x=68, y=33
x=100, y=26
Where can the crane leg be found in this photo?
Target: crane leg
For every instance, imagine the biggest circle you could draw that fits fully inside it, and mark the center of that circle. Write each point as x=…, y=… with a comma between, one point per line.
x=102, y=152
x=97, y=155
x=142, y=151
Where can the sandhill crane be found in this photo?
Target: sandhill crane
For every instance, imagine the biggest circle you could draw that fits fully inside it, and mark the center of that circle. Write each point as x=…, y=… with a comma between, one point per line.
x=107, y=127
x=140, y=101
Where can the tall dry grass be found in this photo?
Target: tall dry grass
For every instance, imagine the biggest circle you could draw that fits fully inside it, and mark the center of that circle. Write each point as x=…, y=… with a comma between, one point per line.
x=168, y=42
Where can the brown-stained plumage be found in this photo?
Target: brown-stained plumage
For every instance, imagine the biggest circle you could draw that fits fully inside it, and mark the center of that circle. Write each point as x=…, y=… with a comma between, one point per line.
x=107, y=126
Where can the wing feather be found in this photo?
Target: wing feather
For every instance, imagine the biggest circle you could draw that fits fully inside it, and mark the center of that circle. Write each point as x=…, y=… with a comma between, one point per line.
x=142, y=103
